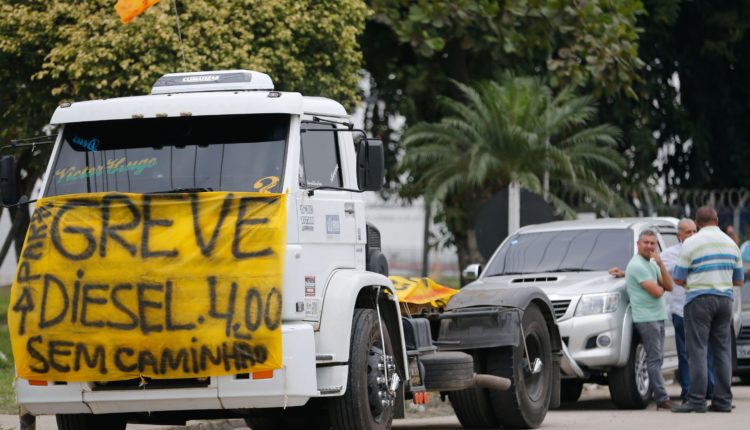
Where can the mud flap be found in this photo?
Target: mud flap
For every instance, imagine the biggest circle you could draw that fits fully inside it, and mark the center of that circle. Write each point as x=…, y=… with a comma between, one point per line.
x=27, y=420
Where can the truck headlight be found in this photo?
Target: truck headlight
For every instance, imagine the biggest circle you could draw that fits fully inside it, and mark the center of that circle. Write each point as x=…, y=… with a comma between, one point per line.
x=591, y=304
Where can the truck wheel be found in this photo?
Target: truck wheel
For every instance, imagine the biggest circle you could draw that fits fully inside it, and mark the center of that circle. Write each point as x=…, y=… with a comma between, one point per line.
x=90, y=422
x=630, y=386
x=524, y=405
x=365, y=405
x=570, y=390
x=472, y=405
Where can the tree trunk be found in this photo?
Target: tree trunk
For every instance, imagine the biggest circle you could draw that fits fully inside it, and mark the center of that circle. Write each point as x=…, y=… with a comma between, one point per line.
x=468, y=252
x=460, y=219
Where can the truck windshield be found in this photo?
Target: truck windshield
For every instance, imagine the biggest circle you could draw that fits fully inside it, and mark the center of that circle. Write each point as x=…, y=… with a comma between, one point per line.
x=563, y=251
x=205, y=153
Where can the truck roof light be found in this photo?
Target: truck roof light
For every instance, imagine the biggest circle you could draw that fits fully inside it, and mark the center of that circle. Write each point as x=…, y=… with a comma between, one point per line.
x=221, y=80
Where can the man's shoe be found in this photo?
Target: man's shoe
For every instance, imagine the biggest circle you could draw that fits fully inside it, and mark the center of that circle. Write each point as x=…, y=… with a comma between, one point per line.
x=714, y=408
x=665, y=405
x=687, y=408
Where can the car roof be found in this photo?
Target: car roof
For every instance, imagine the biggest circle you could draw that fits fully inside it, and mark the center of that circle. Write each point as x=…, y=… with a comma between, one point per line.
x=603, y=223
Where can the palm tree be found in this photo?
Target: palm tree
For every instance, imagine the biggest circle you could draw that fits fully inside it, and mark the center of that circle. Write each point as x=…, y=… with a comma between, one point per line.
x=515, y=133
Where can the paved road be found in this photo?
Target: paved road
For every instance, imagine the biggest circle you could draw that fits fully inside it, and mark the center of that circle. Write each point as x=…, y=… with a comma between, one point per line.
x=593, y=411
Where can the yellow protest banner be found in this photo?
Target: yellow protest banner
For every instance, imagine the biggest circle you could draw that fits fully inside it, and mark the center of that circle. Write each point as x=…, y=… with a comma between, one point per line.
x=113, y=286
x=421, y=291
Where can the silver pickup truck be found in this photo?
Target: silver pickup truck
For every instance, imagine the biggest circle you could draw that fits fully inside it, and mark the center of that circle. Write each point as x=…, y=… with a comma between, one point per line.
x=569, y=260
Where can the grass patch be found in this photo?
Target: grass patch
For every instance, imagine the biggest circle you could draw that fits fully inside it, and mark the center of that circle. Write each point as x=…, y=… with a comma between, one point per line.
x=448, y=281
x=7, y=370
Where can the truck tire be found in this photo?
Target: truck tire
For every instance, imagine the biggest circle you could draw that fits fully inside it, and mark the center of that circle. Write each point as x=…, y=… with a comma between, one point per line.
x=570, y=390
x=473, y=409
x=472, y=405
x=629, y=386
x=90, y=422
x=360, y=407
x=448, y=370
x=524, y=405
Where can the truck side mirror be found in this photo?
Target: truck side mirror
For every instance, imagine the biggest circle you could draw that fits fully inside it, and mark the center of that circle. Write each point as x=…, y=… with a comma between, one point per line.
x=370, y=165
x=8, y=180
x=472, y=272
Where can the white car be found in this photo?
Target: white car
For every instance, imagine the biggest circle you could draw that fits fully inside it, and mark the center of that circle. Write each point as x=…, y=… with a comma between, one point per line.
x=569, y=261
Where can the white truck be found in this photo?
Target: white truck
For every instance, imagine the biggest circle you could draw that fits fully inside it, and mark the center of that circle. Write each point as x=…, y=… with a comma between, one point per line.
x=349, y=359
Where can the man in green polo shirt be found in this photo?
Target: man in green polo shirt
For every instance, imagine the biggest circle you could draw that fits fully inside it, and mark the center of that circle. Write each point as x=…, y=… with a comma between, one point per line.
x=647, y=281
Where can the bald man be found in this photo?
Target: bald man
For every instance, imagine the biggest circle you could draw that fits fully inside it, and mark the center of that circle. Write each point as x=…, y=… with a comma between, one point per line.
x=685, y=229
x=708, y=266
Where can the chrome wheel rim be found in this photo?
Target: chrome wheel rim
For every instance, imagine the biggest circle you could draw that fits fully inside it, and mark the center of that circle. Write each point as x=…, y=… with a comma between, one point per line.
x=642, y=381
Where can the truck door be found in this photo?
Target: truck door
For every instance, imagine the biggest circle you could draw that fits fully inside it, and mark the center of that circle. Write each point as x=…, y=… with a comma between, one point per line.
x=327, y=225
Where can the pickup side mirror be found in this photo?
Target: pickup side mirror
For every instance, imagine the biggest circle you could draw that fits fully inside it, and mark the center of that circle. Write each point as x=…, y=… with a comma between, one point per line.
x=370, y=165
x=472, y=272
x=8, y=180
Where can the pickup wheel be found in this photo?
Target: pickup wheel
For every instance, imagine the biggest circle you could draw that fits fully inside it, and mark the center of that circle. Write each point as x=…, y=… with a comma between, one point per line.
x=367, y=403
x=630, y=386
x=472, y=405
x=90, y=422
x=524, y=405
x=570, y=390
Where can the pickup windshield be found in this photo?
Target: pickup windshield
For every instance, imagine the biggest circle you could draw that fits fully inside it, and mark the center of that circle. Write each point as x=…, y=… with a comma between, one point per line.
x=563, y=251
x=202, y=153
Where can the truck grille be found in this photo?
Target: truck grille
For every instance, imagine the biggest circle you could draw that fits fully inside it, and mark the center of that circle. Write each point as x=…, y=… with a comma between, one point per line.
x=373, y=237
x=560, y=307
x=151, y=384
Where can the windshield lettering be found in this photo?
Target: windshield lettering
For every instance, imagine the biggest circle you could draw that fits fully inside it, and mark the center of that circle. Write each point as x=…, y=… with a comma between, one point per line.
x=119, y=165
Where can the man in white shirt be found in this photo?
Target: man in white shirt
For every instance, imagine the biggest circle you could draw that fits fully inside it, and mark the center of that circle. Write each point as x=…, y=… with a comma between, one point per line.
x=685, y=229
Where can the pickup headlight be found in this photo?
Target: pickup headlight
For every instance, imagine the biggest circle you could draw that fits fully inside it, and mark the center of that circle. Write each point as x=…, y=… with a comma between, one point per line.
x=591, y=304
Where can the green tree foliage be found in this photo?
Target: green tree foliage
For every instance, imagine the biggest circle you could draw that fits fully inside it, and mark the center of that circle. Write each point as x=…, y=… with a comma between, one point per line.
x=506, y=132
x=692, y=106
x=413, y=49
x=53, y=50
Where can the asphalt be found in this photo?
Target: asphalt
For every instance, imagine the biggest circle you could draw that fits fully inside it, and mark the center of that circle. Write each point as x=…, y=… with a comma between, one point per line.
x=593, y=411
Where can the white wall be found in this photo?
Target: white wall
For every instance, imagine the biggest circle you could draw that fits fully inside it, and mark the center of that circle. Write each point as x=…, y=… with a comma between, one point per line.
x=402, y=235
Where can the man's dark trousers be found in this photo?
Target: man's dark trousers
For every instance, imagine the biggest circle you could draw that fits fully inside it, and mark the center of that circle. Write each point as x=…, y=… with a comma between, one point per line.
x=683, y=371
x=708, y=320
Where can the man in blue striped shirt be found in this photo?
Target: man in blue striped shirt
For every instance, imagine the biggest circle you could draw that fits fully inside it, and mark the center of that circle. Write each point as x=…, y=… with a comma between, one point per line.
x=708, y=266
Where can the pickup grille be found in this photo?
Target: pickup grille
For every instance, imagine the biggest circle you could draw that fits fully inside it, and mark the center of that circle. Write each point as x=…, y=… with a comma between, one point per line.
x=744, y=334
x=560, y=307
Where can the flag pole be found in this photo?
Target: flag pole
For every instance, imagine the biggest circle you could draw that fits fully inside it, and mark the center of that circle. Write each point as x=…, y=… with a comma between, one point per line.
x=179, y=36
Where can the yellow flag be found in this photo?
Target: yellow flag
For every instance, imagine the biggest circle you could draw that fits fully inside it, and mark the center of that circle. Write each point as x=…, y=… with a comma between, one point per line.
x=129, y=9
x=421, y=291
x=113, y=286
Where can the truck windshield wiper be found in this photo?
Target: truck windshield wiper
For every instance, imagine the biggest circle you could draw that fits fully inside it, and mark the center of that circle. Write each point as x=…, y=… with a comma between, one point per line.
x=572, y=269
x=183, y=190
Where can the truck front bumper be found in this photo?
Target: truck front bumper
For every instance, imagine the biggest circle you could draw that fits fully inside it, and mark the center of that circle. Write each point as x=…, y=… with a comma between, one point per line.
x=292, y=385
